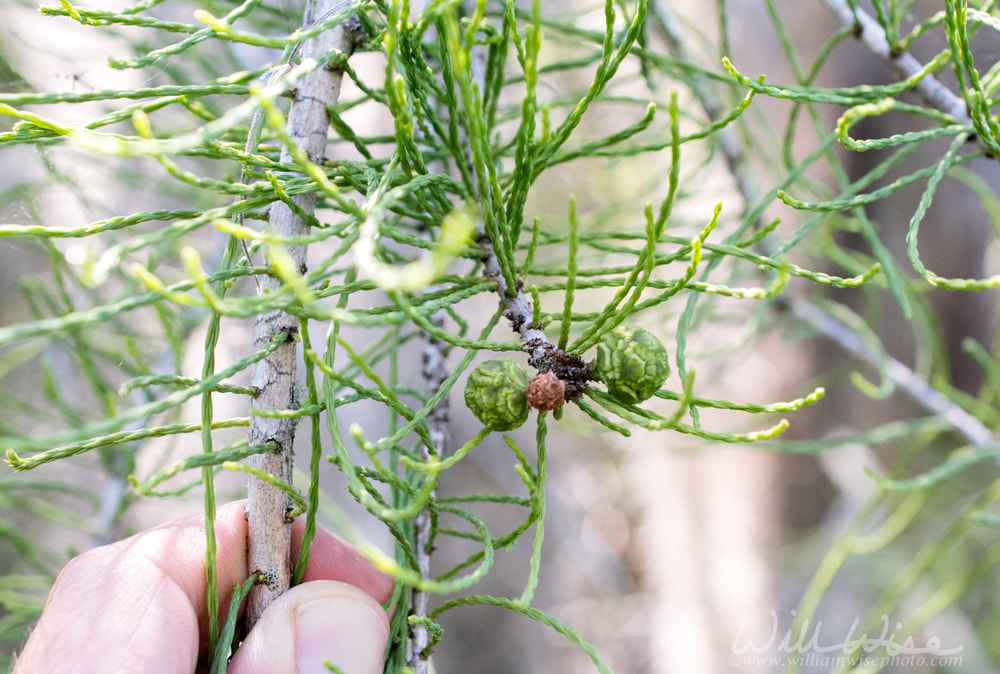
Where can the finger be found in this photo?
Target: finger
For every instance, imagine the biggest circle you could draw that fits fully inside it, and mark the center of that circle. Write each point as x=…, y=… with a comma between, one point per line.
x=139, y=604
x=316, y=621
x=331, y=558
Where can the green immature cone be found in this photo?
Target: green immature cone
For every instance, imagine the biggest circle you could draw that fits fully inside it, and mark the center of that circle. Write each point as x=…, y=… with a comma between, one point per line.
x=633, y=364
x=495, y=394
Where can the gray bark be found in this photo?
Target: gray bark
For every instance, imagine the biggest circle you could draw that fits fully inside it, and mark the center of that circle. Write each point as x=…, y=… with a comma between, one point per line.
x=269, y=529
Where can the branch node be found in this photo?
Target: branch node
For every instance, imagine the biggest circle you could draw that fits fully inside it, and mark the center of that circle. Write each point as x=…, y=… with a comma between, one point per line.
x=268, y=578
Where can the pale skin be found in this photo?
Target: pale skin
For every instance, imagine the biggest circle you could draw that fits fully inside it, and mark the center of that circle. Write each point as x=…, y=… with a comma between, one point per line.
x=138, y=605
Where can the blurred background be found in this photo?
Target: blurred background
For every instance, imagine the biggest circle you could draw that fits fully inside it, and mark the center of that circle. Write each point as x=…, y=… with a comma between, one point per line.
x=668, y=553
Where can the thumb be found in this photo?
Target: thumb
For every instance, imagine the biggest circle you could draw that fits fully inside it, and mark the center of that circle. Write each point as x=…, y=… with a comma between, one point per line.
x=316, y=621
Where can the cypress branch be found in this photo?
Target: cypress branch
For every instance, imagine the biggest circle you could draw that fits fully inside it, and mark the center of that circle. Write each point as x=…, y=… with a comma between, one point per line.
x=929, y=87
x=269, y=528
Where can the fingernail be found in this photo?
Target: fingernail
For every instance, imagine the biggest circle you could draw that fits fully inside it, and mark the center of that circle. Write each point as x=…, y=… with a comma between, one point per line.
x=346, y=632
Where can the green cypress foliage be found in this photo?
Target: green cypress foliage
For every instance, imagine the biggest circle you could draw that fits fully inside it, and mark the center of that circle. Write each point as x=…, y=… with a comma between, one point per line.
x=446, y=231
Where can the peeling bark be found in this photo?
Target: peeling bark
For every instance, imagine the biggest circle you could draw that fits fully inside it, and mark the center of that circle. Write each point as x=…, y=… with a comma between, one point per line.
x=269, y=529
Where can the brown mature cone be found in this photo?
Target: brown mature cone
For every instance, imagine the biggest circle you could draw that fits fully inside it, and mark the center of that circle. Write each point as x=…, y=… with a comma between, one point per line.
x=546, y=392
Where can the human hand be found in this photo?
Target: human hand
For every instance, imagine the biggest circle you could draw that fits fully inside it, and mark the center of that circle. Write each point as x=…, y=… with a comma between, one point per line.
x=138, y=605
